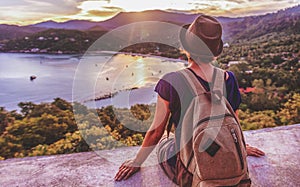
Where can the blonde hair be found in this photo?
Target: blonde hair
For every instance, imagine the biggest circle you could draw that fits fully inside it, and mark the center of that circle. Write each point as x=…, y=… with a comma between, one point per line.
x=200, y=58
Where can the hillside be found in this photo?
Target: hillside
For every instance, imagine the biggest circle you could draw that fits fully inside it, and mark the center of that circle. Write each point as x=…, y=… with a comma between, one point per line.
x=236, y=30
x=287, y=21
x=124, y=18
x=8, y=32
x=54, y=41
x=70, y=25
x=120, y=19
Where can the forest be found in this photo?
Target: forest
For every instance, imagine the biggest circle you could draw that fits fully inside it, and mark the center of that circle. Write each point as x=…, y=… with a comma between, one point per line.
x=60, y=127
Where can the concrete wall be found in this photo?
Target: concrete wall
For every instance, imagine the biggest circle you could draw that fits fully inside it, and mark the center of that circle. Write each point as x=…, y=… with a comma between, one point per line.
x=280, y=167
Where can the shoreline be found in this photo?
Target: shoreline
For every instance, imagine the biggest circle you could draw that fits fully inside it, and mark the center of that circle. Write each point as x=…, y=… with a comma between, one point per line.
x=13, y=105
x=111, y=94
x=80, y=55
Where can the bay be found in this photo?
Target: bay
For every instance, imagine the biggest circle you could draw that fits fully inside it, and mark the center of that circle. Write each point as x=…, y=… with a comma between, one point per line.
x=130, y=78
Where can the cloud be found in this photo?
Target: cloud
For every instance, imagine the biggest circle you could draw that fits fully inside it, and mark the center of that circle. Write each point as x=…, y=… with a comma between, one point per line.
x=237, y=8
x=262, y=7
x=12, y=3
x=238, y=1
x=108, y=11
x=28, y=11
x=61, y=7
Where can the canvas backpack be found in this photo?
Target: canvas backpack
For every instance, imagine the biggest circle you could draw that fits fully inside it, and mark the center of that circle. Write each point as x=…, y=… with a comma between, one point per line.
x=212, y=147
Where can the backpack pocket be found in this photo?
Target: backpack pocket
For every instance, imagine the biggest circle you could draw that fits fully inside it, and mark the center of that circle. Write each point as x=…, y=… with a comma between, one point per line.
x=217, y=155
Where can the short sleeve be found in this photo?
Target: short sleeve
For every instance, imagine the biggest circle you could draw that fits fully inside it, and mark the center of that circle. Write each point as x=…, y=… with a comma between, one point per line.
x=233, y=93
x=166, y=89
x=163, y=88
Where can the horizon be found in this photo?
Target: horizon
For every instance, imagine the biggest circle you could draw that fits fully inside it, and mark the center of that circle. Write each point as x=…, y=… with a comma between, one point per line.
x=29, y=12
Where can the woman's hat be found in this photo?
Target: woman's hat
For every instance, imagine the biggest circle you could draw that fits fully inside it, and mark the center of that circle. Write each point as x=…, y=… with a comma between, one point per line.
x=202, y=37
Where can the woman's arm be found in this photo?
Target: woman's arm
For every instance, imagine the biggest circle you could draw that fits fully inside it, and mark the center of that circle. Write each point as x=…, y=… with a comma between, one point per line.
x=153, y=135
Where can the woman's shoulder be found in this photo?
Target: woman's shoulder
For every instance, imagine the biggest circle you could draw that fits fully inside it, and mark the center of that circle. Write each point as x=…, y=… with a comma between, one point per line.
x=173, y=79
x=170, y=76
x=230, y=76
x=166, y=79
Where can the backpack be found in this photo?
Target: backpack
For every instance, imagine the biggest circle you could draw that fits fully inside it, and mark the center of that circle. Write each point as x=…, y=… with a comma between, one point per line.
x=212, y=146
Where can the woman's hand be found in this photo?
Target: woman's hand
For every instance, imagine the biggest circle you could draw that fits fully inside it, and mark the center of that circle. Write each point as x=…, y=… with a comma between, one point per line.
x=152, y=137
x=127, y=169
x=253, y=151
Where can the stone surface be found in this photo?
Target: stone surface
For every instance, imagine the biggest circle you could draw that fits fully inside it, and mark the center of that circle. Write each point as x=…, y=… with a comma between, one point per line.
x=280, y=166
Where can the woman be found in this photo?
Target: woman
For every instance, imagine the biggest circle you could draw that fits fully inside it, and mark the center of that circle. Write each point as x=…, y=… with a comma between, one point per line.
x=202, y=43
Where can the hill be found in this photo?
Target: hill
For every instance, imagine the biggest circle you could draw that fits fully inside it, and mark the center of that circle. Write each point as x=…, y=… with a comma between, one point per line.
x=236, y=30
x=70, y=25
x=124, y=18
x=8, y=32
x=53, y=41
x=287, y=21
x=120, y=19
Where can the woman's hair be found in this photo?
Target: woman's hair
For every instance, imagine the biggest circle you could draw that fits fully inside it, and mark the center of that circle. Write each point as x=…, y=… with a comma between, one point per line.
x=200, y=58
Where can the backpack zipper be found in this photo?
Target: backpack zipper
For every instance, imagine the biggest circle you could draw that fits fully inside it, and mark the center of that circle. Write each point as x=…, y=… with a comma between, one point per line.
x=237, y=145
x=212, y=118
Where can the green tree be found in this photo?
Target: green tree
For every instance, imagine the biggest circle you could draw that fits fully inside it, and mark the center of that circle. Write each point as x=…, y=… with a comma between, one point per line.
x=257, y=120
x=72, y=143
x=290, y=113
x=26, y=107
x=62, y=104
x=5, y=119
x=30, y=132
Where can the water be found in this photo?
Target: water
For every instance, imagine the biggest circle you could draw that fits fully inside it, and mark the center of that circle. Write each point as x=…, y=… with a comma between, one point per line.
x=57, y=74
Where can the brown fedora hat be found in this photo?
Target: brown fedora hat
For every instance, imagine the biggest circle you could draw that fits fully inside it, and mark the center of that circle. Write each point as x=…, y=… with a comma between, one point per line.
x=202, y=37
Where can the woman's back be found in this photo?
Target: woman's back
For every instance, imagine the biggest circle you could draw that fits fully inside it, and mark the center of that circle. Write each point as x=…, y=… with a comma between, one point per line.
x=174, y=89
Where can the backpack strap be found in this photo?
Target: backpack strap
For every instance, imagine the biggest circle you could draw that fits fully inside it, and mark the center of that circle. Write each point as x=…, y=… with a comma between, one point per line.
x=216, y=86
x=196, y=87
x=193, y=82
x=218, y=80
x=218, y=89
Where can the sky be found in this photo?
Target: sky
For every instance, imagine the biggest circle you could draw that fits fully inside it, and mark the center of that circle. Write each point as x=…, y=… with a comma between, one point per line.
x=25, y=12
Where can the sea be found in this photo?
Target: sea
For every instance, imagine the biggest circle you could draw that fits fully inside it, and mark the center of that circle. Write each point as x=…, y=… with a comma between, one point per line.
x=95, y=80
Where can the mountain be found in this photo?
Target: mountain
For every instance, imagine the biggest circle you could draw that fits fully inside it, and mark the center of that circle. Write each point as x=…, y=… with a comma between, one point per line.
x=120, y=19
x=8, y=32
x=284, y=21
x=124, y=18
x=97, y=28
x=71, y=24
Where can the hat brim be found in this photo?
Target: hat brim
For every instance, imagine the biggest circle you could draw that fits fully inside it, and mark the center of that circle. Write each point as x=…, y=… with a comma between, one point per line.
x=185, y=46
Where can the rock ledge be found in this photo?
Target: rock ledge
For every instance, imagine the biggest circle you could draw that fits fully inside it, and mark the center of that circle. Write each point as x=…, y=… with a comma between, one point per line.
x=280, y=166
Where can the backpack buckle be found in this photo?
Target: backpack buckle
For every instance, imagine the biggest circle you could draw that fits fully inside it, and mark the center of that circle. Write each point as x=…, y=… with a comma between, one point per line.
x=216, y=96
